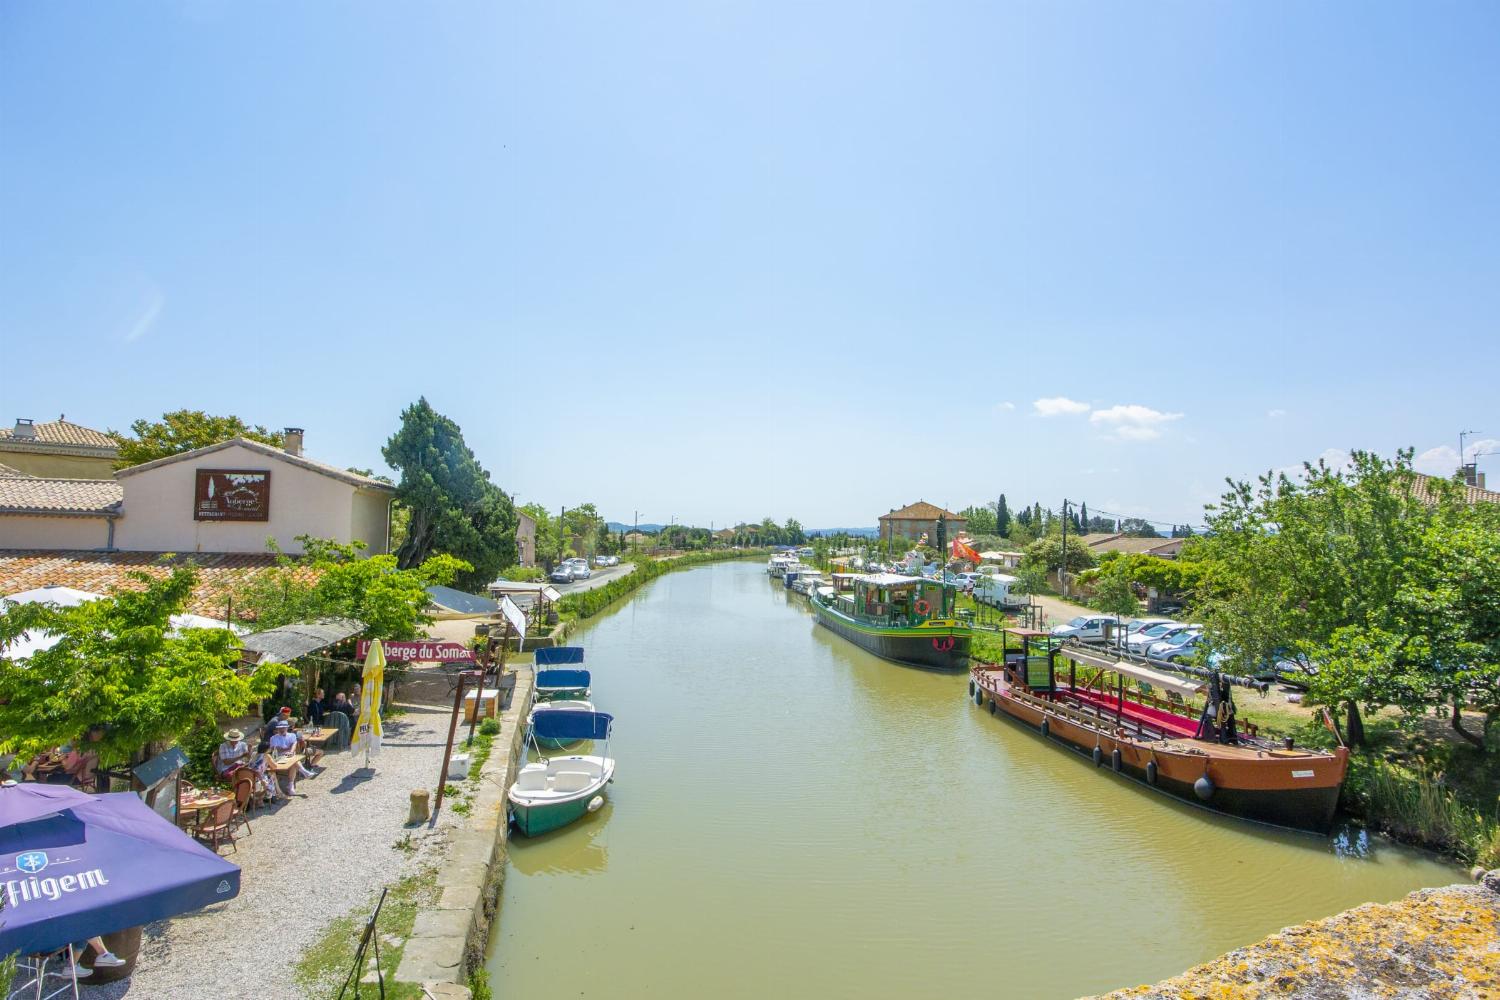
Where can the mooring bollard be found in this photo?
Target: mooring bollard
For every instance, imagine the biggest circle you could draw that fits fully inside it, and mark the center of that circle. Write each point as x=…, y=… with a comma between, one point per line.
x=421, y=810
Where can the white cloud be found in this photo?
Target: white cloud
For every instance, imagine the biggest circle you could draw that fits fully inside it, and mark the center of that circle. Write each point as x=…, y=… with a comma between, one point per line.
x=1443, y=459
x=1132, y=421
x=1335, y=458
x=1054, y=406
x=1004, y=407
x=148, y=317
x=1275, y=414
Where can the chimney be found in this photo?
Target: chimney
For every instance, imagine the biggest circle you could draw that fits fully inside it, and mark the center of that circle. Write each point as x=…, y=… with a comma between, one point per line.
x=293, y=445
x=1471, y=474
x=25, y=430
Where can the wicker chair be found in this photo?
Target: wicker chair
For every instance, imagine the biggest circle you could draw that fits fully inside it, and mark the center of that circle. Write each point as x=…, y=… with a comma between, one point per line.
x=219, y=826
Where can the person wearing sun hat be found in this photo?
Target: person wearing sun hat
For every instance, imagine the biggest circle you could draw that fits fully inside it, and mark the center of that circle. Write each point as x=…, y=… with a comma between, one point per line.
x=234, y=753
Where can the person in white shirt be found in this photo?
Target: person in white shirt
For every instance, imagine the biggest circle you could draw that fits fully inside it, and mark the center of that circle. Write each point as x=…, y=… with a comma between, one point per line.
x=284, y=744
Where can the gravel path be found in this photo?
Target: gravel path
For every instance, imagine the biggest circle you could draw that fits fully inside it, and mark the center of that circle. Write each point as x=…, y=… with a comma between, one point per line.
x=306, y=862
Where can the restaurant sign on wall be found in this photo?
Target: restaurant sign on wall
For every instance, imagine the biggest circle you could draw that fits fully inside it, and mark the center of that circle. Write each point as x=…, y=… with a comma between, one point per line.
x=232, y=495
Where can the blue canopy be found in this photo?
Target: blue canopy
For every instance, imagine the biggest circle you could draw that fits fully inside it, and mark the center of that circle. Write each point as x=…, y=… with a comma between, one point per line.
x=97, y=867
x=570, y=724
x=559, y=654
x=562, y=679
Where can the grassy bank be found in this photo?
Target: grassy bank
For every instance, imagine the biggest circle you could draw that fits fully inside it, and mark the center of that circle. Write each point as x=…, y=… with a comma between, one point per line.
x=327, y=961
x=587, y=603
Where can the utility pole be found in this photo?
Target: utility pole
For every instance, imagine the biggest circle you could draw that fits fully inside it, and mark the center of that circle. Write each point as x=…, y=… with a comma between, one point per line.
x=1062, y=571
x=1461, y=462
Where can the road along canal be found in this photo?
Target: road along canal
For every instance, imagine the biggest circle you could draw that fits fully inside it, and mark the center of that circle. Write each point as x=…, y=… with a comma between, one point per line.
x=794, y=816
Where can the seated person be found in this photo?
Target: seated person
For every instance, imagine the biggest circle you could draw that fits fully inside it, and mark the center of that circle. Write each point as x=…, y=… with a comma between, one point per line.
x=316, y=708
x=106, y=959
x=234, y=753
x=341, y=704
x=283, y=743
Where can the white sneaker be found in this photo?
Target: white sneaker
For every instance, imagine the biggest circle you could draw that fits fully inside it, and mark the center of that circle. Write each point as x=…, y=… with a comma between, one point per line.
x=108, y=960
x=78, y=972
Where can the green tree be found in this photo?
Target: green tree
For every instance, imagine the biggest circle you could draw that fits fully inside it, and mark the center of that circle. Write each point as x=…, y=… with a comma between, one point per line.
x=981, y=520
x=390, y=601
x=550, y=543
x=1332, y=569
x=183, y=430
x=1048, y=553
x=792, y=532
x=120, y=664
x=454, y=508
x=1112, y=590
x=1135, y=527
x=1002, y=517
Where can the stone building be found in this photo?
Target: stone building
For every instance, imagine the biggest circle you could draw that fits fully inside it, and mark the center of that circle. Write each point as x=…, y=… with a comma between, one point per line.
x=914, y=520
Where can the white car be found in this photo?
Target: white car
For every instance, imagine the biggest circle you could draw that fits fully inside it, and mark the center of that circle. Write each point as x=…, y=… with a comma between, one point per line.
x=1084, y=627
x=1182, y=645
x=580, y=568
x=1140, y=641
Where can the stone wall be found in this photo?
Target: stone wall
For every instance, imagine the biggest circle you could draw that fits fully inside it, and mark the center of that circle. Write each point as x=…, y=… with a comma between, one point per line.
x=449, y=940
x=1435, y=943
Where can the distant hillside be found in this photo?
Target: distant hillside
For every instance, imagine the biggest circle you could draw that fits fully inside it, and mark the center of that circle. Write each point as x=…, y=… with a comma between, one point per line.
x=866, y=532
x=650, y=529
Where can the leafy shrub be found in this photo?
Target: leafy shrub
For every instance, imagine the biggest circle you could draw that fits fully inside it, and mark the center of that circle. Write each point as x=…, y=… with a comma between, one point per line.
x=489, y=727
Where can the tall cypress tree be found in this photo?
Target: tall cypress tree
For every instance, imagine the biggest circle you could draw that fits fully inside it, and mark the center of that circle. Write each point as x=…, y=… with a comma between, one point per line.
x=1002, y=518
x=1083, y=516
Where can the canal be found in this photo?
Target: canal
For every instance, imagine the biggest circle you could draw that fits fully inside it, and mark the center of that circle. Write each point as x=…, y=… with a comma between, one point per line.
x=793, y=817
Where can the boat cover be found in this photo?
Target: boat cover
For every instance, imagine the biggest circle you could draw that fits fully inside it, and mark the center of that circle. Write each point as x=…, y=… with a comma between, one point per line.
x=559, y=654
x=570, y=724
x=562, y=678
x=1156, y=678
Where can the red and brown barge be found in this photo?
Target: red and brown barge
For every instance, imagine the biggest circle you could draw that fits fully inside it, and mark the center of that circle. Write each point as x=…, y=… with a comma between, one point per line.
x=1143, y=723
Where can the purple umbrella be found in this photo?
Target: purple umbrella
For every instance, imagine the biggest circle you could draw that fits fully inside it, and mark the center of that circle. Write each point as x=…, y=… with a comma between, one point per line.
x=98, y=866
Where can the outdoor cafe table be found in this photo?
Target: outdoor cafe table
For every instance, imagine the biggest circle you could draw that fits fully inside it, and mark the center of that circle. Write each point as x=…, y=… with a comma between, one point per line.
x=318, y=738
x=284, y=765
x=198, y=804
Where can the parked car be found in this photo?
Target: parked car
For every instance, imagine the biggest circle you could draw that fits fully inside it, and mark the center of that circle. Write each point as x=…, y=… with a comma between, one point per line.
x=563, y=573
x=606, y=561
x=1086, y=627
x=1139, y=642
x=1136, y=625
x=967, y=581
x=580, y=568
x=1180, y=646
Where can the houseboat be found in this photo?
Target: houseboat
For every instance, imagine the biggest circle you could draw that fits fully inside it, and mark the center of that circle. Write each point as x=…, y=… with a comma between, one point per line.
x=1143, y=724
x=908, y=619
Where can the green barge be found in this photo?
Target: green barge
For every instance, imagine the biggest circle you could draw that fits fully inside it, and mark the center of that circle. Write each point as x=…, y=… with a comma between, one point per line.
x=907, y=619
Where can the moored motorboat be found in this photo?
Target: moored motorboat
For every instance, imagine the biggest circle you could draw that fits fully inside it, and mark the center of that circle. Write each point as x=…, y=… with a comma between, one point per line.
x=554, y=791
x=557, y=705
x=554, y=683
x=1199, y=754
x=908, y=619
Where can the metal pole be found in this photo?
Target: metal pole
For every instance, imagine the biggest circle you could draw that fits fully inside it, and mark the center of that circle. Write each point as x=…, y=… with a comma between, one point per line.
x=1062, y=572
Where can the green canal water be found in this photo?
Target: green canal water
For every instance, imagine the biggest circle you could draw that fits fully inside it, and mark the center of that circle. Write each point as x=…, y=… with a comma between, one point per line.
x=793, y=817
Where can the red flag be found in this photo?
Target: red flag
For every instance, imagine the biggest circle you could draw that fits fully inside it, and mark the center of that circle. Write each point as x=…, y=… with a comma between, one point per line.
x=961, y=551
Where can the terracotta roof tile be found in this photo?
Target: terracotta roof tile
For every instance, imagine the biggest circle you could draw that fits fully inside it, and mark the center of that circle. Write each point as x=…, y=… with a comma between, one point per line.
x=102, y=572
x=31, y=494
x=61, y=432
x=1471, y=494
x=921, y=511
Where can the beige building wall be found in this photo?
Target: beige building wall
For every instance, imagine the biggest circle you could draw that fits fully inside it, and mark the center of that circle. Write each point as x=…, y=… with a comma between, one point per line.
x=525, y=539
x=371, y=519
x=34, y=463
x=158, y=508
x=33, y=531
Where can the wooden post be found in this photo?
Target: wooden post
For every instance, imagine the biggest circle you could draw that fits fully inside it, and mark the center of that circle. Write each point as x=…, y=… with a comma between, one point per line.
x=458, y=702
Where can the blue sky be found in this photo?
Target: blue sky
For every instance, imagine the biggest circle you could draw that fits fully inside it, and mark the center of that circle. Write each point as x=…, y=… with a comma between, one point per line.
x=725, y=260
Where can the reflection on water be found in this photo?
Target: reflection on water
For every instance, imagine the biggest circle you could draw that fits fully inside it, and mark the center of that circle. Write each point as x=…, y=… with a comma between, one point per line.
x=792, y=815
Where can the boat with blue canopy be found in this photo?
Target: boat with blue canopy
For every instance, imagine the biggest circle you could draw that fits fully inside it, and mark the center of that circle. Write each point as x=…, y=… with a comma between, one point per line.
x=552, y=792
x=553, y=684
x=558, y=705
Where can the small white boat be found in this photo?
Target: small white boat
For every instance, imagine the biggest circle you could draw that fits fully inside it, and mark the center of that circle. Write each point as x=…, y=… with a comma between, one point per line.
x=553, y=792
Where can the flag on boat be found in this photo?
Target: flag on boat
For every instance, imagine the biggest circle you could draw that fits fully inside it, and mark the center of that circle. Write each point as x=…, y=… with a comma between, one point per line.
x=367, y=736
x=961, y=551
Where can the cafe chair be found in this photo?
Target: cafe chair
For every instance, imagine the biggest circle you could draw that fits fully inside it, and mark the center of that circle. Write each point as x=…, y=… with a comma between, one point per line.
x=244, y=795
x=32, y=977
x=219, y=826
